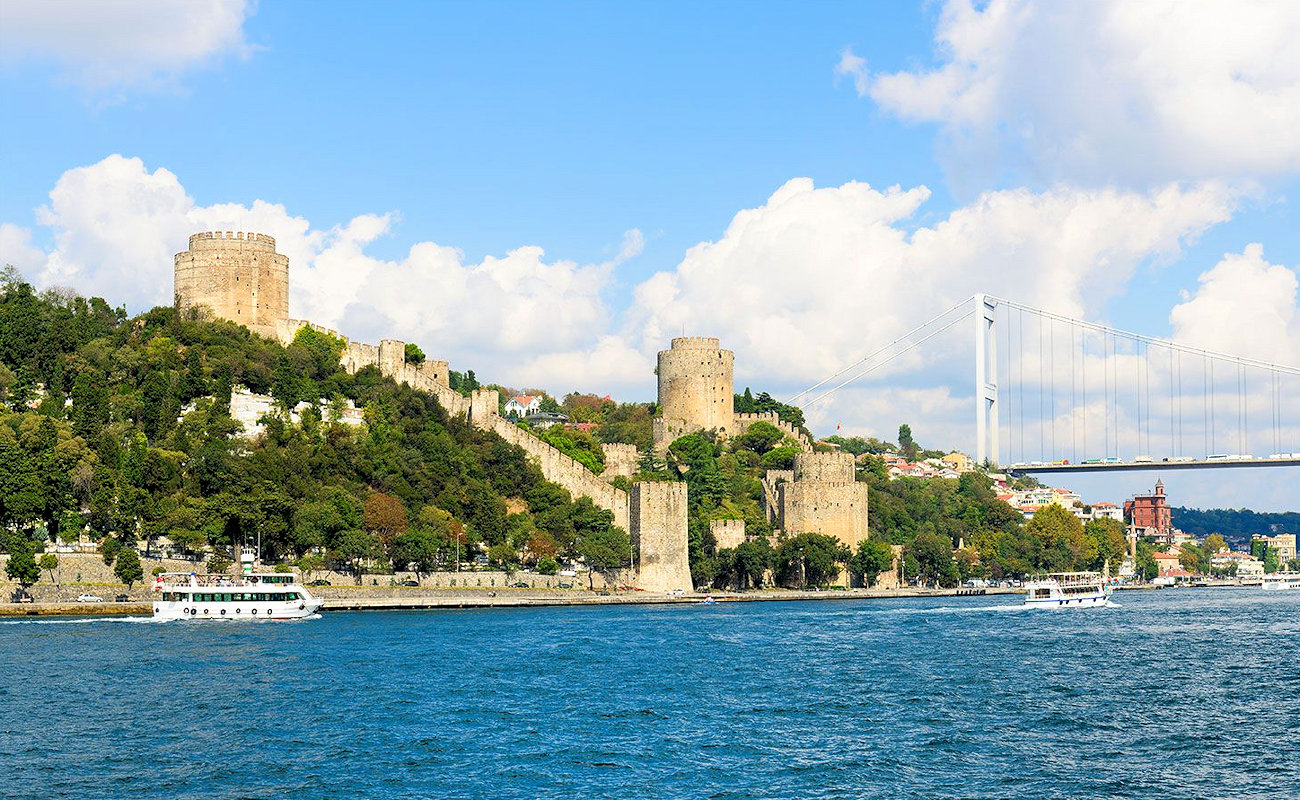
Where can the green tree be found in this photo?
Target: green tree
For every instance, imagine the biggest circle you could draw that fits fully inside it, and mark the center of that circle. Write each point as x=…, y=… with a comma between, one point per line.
x=753, y=559
x=353, y=549
x=417, y=549
x=933, y=554
x=760, y=438
x=128, y=569
x=413, y=354
x=872, y=558
x=906, y=444
x=22, y=567
x=604, y=550
x=1059, y=538
x=810, y=559
x=219, y=562
x=1107, y=543
x=49, y=562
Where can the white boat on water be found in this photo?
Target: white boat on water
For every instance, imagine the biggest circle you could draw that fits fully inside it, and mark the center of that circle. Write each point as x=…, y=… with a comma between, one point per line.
x=1067, y=590
x=266, y=595
x=1281, y=581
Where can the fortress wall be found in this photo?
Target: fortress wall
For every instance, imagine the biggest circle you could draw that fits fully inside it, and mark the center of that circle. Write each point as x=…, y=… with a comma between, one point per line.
x=742, y=423
x=728, y=533
x=484, y=405
x=772, y=492
x=287, y=329
x=559, y=468
x=659, y=533
x=620, y=460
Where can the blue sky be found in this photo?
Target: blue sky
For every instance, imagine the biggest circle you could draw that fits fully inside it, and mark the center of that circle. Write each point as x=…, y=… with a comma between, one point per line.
x=547, y=192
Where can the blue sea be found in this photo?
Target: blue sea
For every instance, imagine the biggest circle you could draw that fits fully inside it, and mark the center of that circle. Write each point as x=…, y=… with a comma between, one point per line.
x=1170, y=694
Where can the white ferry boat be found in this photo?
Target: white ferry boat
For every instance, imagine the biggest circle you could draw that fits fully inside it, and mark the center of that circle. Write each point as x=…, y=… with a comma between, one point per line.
x=1281, y=581
x=1067, y=590
x=257, y=595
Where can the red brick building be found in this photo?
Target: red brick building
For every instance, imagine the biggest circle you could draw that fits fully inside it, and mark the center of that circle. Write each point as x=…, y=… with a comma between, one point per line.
x=1150, y=513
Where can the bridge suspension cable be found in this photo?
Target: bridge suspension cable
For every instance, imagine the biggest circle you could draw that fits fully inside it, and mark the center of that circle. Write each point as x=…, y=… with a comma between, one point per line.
x=1113, y=408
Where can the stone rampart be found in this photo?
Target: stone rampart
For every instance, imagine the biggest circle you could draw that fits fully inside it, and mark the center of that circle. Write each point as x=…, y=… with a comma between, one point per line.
x=559, y=468
x=772, y=479
x=620, y=460
x=742, y=423
x=659, y=534
x=728, y=534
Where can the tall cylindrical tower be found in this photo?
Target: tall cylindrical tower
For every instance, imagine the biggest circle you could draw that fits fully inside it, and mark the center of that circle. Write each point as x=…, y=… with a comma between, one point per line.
x=237, y=275
x=696, y=388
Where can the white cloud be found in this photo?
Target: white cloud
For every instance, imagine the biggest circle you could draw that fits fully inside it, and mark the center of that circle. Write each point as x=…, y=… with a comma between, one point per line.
x=1244, y=306
x=855, y=67
x=1105, y=90
x=815, y=277
x=116, y=227
x=16, y=248
x=101, y=45
x=798, y=286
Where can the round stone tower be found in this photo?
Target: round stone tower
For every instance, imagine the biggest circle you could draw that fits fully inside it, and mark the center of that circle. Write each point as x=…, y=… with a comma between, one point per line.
x=237, y=275
x=696, y=389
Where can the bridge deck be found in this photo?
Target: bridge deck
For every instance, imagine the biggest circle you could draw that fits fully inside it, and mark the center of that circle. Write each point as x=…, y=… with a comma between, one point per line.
x=1122, y=466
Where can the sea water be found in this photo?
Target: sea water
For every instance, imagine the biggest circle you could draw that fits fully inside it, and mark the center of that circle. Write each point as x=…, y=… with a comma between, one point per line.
x=1171, y=694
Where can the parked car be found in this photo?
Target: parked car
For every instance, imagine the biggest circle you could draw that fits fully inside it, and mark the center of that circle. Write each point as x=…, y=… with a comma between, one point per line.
x=319, y=582
x=409, y=582
x=89, y=598
x=519, y=585
x=21, y=596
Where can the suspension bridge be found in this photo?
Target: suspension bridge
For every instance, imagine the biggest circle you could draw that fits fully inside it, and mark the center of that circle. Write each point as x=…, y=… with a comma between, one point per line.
x=1056, y=394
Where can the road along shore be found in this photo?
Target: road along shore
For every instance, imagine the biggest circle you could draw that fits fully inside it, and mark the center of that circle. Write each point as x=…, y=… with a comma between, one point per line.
x=365, y=598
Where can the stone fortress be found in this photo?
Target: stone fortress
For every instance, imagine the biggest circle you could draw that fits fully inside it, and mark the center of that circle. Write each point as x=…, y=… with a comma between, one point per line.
x=240, y=277
x=820, y=495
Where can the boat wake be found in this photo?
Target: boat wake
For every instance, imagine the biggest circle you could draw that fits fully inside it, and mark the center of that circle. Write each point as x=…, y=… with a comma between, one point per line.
x=84, y=621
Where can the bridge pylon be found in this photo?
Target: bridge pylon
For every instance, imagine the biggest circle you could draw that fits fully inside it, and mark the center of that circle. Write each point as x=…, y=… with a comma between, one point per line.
x=986, y=380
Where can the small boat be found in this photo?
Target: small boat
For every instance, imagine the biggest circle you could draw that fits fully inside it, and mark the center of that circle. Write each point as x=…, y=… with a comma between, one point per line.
x=1281, y=581
x=1067, y=590
x=708, y=601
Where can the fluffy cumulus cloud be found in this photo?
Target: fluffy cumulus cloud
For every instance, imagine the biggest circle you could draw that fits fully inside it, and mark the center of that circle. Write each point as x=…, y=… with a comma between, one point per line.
x=115, y=226
x=1244, y=306
x=1101, y=90
x=798, y=286
x=815, y=277
x=101, y=45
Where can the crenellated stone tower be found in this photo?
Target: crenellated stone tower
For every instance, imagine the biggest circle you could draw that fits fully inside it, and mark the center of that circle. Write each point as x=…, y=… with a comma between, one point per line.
x=696, y=389
x=239, y=276
x=823, y=496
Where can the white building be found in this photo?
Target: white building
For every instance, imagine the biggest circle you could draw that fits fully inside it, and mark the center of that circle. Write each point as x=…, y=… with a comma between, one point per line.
x=523, y=405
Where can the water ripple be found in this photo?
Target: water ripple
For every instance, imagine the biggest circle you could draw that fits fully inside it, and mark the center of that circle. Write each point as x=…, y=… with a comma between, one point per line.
x=1170, y=694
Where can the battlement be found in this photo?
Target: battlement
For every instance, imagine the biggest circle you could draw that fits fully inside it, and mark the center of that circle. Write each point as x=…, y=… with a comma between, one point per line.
x=696, y=343
x=211, y=240
x=824, y=468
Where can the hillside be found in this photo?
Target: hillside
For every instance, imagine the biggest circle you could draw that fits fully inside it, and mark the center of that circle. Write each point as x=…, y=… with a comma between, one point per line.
x=121, y=430
x=1236, y=525
x=90, y=442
